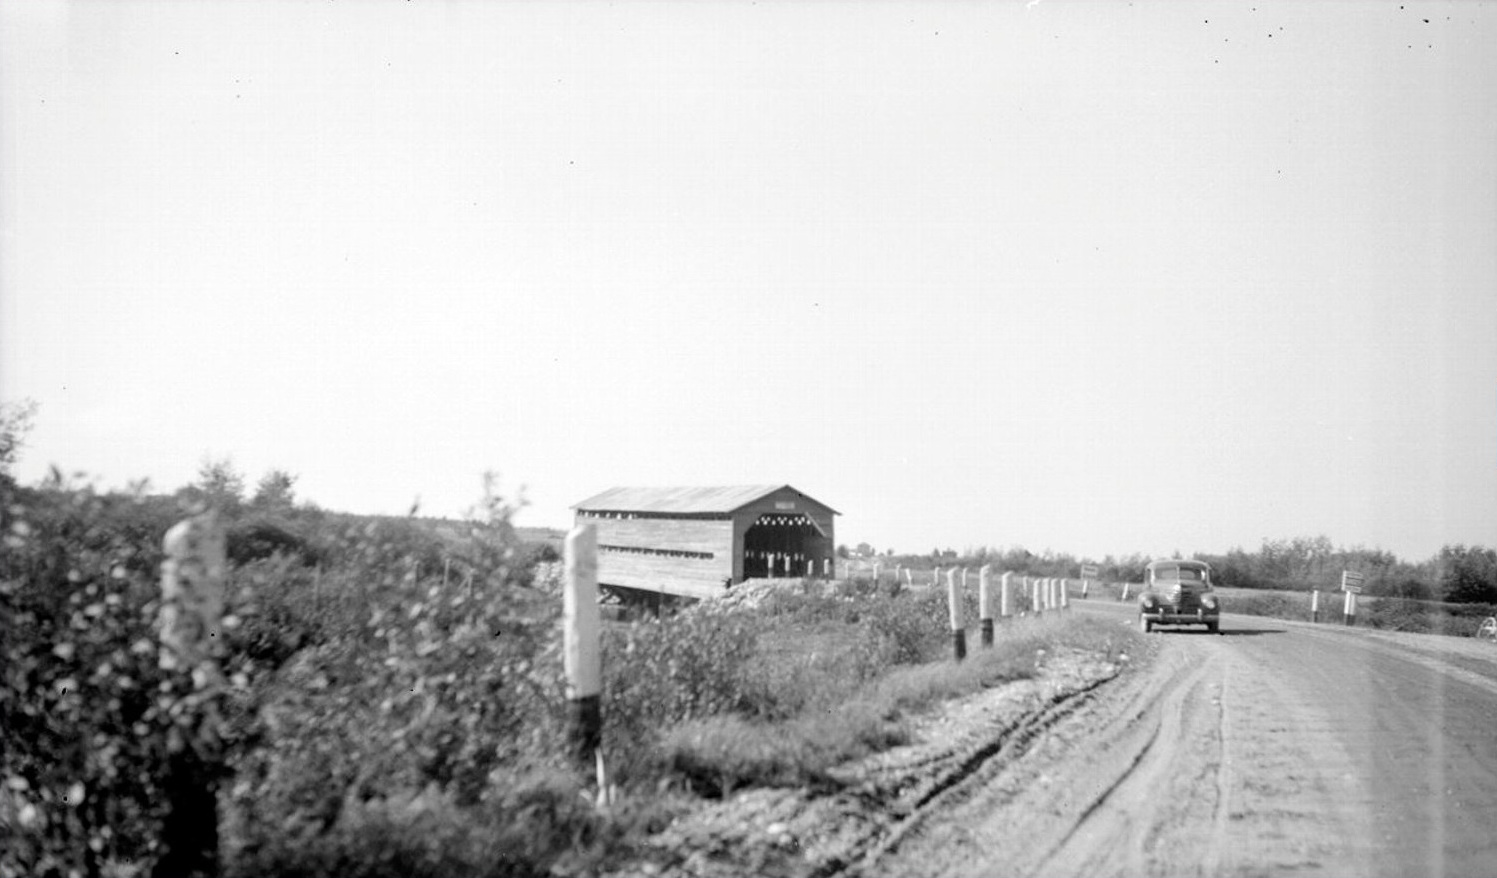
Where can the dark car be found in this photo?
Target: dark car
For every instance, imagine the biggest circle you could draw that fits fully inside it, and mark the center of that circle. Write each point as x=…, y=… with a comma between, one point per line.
x=1178, y=593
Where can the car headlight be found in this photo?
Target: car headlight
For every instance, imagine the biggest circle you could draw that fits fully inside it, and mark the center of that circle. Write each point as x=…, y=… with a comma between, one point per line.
x=1208, y=601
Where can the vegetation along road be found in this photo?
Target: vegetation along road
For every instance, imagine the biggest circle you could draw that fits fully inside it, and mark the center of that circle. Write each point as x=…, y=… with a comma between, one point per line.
x=1279, y=748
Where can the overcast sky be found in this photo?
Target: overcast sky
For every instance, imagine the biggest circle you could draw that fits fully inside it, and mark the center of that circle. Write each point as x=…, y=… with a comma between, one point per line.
x=1092, y=277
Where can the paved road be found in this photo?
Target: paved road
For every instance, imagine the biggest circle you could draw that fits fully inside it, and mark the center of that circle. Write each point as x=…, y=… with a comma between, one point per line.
x=1278, y=748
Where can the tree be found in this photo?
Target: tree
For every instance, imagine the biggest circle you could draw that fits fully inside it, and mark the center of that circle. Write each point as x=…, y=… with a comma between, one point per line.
x=1468, y=574
x=219, y=485
x=15, y=423
x=275, y=492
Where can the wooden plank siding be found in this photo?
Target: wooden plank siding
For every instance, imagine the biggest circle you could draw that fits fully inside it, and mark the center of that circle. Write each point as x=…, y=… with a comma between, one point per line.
x=672, y=574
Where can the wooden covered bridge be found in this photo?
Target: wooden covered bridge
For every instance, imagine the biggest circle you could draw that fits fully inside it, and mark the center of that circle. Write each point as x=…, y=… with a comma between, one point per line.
x=696, y=542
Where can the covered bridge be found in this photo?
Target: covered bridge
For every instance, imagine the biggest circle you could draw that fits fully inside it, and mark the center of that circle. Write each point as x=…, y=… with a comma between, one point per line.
x=695, y=542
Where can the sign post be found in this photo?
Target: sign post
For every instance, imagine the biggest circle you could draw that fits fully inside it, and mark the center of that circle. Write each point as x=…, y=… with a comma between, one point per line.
x=1088, y=573
x=1351, y=583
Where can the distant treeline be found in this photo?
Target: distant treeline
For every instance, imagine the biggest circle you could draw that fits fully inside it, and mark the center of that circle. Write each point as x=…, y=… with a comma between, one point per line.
x=1457, y=574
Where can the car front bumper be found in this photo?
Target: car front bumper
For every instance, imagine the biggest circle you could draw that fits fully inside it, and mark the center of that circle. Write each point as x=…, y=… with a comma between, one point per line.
x=1173, y=616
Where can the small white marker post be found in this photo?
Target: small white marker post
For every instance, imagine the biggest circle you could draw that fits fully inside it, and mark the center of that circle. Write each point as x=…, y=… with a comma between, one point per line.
x=878, y=572
x=1005, y=595
x=964, y=579
x=935, y=576
x=1351, y=583
x=1315, y=605
x=1124, y=598
x=192, y=597
x=958, y=627
x=581, y=654
x=985, y=603
x=1035, y=593
x=1065, y=595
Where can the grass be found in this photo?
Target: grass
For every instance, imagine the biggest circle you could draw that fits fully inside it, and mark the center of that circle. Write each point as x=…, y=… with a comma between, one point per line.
x=719, y=754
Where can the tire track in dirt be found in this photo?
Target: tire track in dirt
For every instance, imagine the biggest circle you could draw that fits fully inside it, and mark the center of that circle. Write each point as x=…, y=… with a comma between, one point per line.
x=1179, y=770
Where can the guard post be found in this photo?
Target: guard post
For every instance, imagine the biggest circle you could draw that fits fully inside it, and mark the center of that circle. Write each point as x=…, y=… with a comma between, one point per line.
x=985, y=603
x=958, y=626
x=581, y=653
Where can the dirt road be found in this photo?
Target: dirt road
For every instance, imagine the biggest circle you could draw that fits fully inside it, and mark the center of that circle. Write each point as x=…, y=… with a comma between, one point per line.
x=1278, y=749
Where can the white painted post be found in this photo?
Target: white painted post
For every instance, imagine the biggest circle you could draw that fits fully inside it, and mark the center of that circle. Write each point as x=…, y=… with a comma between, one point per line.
x=878, y=572
x=935, y=576
x=192, y=594
x=1085, y=586
x=985, y=603
x=1005, y=595
x=1036, y=604
x=1315, y=605
x=582, y=655
x=964, y=579
x=958, y=627
x=1126, y=586
x=1350, y=609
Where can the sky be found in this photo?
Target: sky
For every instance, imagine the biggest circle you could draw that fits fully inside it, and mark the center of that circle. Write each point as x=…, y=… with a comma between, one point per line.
x=1098, y=278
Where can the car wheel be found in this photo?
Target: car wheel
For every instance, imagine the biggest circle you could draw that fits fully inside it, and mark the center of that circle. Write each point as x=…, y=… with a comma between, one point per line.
x=1145, y=624
x=1213, y=628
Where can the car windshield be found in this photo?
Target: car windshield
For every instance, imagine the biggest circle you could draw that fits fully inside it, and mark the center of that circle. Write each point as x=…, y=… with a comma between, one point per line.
x=1187, y=574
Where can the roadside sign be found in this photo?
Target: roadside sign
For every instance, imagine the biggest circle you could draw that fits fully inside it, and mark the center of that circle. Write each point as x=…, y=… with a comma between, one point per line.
x=1089, y=571
x=1351, y=582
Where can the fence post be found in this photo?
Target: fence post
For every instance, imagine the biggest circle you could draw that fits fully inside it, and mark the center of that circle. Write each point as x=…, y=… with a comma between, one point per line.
x=1035, y=597
x=878, y=572
x=192, y=592
x=1005, y=595
x=581, y=654
x=958, y=627
x=964, y=579
x=1065, y=594
x=985, y=603
x=1315, y=605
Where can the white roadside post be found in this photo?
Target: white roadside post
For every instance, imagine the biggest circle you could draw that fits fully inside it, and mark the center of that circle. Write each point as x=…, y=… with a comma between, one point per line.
x=1065, y=594
x=1124, y=598
x=985, y=603
x=964, y=579
x=1036, y=592
x=1315, y=605
x=1351, y=583
x=1005, y=595
x=958, y=626
x=192, y=598
x=582, y=656
x=878, y=572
